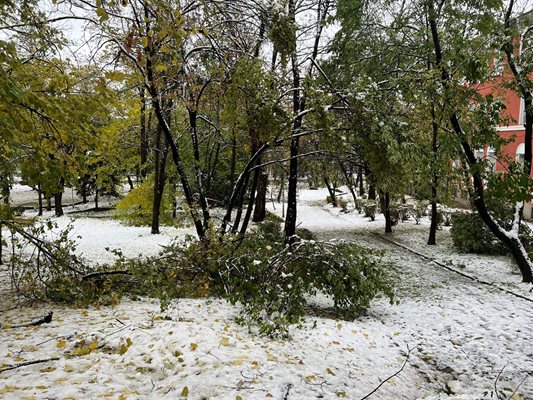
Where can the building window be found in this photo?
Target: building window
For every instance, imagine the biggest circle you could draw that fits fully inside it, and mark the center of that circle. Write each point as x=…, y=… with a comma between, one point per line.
x=491, y=160
x=520, y=152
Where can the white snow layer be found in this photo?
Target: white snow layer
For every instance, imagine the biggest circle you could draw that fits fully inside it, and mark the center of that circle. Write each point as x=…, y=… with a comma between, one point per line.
x=463, y=335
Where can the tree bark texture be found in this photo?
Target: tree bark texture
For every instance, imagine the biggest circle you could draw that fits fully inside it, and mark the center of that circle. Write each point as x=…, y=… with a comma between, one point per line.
x=260, y=200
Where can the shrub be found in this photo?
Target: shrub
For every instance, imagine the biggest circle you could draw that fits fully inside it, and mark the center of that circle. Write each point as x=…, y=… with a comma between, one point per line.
x=305, y=234
x=370, y=208
x=470, y=235
x=440, y=216
x=136, y=208
x=399, y=212
x=419, y=210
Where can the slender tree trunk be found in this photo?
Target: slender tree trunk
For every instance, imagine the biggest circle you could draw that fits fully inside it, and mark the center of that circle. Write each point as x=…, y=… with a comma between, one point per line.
x=5, y=192
x=371, y=185
x=130, y=182
x=96, y=199
x=233, y=164
x=434, y=180
x=260, y=201
x=40, y=199
x=58, y=206
x=143, y=135
x=331, y=192
x=240, y=204
x=157, y=192
x=388, y=221
x=198, y=169
x=298, y=105
x=48, y=203
x=251, y=201
x=382, y=205
x=58, y=199
x=348, y=177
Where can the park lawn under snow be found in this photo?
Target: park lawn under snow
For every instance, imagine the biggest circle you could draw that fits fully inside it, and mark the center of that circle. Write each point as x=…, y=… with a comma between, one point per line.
x=460, y=334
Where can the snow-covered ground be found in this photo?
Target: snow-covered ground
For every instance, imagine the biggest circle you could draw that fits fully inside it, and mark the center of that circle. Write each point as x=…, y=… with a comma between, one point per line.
x=462, y=335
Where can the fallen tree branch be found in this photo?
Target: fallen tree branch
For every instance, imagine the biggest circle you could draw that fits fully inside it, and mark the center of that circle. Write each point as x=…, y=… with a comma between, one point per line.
x=24, y=364
x=96, y=274
x=390, y=377
x=496, y=382
x=473, y=278
x=44, y=320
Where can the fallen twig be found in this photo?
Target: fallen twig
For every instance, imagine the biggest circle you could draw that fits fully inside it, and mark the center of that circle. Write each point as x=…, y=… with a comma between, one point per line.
x=286, y=396
x=44, y=320
x=496, y=382
x=24, y=364
x=390, y=377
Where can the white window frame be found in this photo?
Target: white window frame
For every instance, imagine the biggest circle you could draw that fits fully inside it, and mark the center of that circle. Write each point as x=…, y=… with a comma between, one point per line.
x=520, y=153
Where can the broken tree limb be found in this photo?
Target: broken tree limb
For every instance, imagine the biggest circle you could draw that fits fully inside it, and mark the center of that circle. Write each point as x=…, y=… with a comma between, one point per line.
x=24, y=364
x=97, y=274
x=44, y=320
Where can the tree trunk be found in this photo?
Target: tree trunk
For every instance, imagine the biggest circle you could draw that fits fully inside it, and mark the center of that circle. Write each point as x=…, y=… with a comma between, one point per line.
x=158, y=185
x=239, y=205
x=434, y=182
x=5, y=192
x=388, y=221
x=40, y=199
x=298, y=105
x=143, y=147
x=96, y=199
x=260, y=200
x=348, y=177
x=233, y=164
x=198, y=169
x=251, y=201
x=130, y=182
x=331, y=192
x=58, y=206
x=48, y=203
